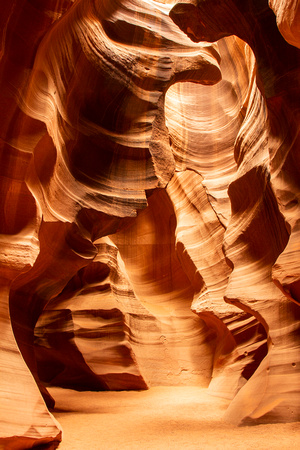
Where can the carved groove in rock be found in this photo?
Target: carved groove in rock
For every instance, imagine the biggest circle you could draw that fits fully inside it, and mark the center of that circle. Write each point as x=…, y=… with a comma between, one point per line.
x=150, y=220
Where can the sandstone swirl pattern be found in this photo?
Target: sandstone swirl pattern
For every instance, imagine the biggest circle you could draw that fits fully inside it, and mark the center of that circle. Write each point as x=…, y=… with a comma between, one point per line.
x=149, y=204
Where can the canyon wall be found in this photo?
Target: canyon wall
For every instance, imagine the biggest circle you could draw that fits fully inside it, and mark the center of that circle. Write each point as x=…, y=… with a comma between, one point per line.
x=150, y=217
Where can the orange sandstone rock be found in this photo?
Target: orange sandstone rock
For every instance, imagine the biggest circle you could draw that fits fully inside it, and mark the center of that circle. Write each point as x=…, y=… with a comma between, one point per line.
x=149, y=194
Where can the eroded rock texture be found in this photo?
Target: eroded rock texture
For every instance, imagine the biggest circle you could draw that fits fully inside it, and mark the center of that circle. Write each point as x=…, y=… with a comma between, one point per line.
x=149, y=204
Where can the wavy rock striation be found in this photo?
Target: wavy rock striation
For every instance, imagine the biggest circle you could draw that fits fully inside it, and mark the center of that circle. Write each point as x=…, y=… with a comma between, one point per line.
x=264, y=281
x=149, y=204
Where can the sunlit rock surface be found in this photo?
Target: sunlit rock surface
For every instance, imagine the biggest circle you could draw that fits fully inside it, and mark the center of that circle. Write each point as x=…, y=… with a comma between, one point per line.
x=150, y=217
x=261, y=240
x=288, y=19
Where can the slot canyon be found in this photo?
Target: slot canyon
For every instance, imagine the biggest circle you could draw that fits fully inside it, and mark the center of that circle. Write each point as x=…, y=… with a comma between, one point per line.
x=150, y=215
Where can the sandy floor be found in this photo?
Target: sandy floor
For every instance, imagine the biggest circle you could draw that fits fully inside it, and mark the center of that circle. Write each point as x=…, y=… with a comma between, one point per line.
x=161, y=418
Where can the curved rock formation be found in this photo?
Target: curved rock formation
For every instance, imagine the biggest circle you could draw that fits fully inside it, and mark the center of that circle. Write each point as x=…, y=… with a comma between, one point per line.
x=25, y=420
x=262, y=194
x=149, y=204
x=98, y=82
x=288, y=19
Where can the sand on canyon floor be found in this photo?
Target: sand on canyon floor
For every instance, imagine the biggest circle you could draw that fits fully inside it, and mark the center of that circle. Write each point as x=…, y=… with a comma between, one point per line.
x=160, y=418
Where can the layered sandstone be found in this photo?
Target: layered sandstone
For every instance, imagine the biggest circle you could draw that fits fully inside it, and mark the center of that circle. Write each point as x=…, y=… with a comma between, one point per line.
x=149, y=204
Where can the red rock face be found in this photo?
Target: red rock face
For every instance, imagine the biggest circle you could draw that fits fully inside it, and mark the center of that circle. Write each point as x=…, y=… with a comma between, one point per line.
x=149, y=204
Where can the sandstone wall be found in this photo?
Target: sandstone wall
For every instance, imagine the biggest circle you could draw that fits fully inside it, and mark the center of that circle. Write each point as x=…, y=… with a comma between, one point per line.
x=150, y=213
